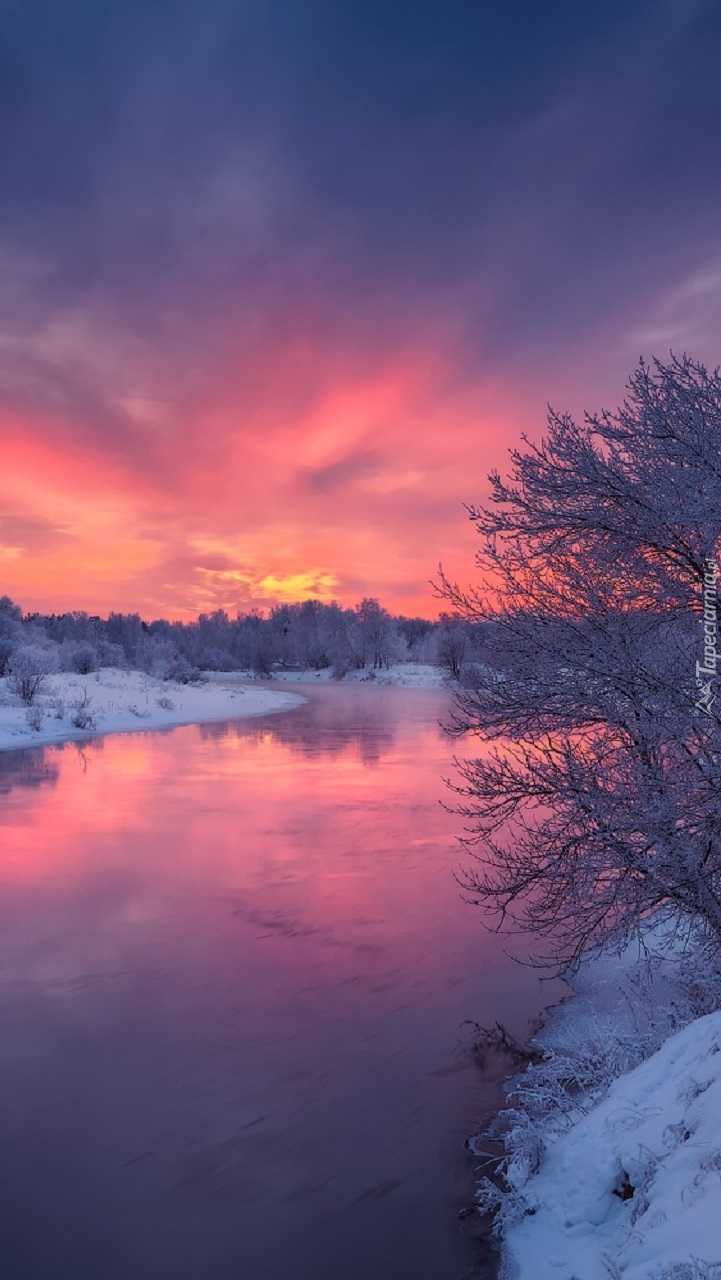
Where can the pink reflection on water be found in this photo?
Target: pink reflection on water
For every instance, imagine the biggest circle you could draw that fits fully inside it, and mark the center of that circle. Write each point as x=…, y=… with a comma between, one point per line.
x=234, y=966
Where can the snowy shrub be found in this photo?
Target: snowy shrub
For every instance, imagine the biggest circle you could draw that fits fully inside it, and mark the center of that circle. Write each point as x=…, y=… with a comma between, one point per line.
x=34, y=717
x=82, y=658
x=628, y=1020
x=57, y=706
x=183, y=672
x=134, y=710
x=216, y=659
x=159, y=656
x=700, y=982
x=82, y=715
x=28, y=668
x=693, y=1270
x=166, y=703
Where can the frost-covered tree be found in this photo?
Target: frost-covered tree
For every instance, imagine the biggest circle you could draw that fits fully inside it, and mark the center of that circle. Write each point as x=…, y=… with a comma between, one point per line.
x=452, y=645
x=595, y=796
x=10, y=630
x=82, y=658
x=159, y=656
x=377, y=639
x=28, y=667
x=125, y=630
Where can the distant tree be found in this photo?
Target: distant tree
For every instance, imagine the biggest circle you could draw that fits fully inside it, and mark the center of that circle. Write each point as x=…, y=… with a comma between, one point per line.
x=415, y=632
x=11, y=615
x=283, y=638
x=377, y=634
x=452, y=644
x=125, y=629
x=251, y=643
x=10, y=630
x=160, y=657
x=313, y=649
x=261, y=654
x=596, y=796
x=306, y=635
x=110, y=654
x=333, y=627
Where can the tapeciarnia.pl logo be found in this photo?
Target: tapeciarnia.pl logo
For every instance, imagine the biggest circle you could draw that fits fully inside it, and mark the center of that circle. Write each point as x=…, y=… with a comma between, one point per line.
x=706, y=671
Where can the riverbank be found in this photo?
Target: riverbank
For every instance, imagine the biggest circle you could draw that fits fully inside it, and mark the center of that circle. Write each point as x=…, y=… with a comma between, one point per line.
x=613, y=1140
x=407, y=675
x=74, y=707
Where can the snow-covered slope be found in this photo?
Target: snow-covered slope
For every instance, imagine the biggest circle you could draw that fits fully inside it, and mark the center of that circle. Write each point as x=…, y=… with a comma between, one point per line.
x=114, y=701
x=613, y=1137
x=634, y=1188
x=411, y=675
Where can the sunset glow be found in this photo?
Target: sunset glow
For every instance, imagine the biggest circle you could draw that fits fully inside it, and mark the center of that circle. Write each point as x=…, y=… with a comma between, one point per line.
x=262, y=341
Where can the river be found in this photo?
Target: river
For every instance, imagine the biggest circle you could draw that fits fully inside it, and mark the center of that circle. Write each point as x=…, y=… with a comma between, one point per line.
x=234, y=965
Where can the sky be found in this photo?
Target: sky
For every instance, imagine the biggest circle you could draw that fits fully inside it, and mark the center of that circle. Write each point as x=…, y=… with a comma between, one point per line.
x=282, y=280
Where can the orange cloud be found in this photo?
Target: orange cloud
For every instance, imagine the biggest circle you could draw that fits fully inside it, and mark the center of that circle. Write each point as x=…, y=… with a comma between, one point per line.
x=331, y=478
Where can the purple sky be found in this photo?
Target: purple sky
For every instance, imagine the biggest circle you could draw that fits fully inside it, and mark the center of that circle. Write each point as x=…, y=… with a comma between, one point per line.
x=282, y=281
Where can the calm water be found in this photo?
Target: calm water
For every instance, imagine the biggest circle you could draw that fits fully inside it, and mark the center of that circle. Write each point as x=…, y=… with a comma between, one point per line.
x=233, y=968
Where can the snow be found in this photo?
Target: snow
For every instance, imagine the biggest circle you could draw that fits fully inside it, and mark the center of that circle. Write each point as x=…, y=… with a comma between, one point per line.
x=659, y=1129
x=121, y=701
x=411, y=675
x=656, y=1127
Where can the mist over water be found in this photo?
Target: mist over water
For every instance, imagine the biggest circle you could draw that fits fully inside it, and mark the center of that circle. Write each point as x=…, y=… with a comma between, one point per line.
x=234, y=965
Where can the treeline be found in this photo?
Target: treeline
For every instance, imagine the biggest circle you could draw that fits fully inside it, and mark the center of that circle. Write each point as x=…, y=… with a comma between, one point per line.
x=292, y=637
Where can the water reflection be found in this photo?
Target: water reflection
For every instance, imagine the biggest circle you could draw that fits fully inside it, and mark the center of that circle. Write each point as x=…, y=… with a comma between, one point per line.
x=233, y=969
x=356, y=718
x=31, y=767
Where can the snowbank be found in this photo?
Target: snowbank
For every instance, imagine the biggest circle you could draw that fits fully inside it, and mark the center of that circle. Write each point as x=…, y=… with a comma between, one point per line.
x=411, y=675
x=635, y=1186
x=112, y=701
x=626, y=1178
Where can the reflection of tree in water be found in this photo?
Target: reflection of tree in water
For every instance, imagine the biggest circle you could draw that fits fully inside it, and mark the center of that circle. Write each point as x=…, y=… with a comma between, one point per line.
x=361, y=721
x=29, y=767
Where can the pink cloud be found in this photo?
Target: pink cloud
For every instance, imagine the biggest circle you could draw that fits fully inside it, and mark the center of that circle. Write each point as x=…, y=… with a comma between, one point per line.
x=346, y=478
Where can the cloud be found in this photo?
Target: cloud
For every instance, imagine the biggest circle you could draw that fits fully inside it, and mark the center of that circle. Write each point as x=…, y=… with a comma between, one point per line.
x=685, y=317
x=315, y=583
x=280, y=283
x=23, y=533
x=344, y=472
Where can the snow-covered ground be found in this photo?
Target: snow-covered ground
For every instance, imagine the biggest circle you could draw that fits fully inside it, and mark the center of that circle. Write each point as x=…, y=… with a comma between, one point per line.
x=112, y=701
x=412, y=675
x=626, y=1178
x=634, y=1187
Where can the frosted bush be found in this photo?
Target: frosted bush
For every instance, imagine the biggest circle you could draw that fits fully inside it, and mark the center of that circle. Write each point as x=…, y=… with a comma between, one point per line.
x=29, y=667
x=81, y=658
x=693, y=1270
x=83, y=715
x=655, y=998
x=34, y=717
